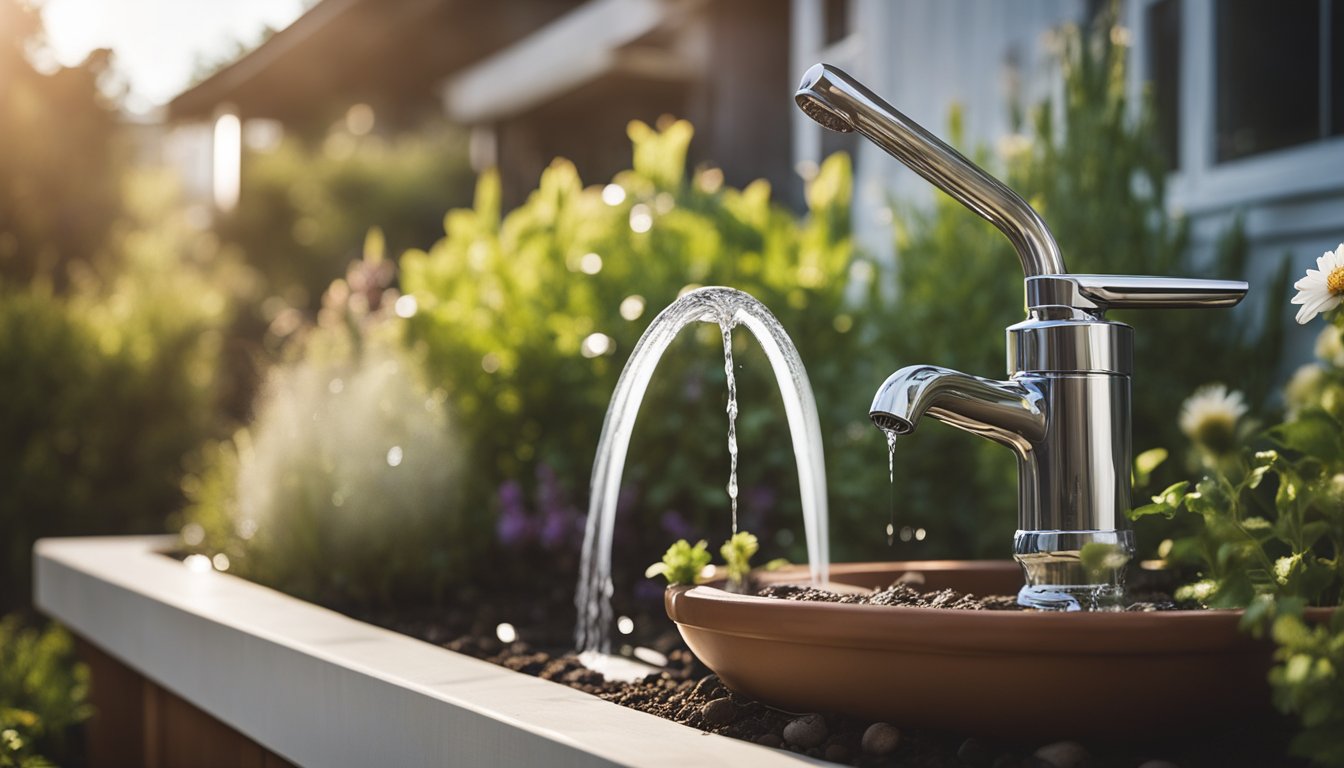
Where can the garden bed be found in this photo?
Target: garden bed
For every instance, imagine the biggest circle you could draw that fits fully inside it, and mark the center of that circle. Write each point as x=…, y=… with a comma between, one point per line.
x=318, y=688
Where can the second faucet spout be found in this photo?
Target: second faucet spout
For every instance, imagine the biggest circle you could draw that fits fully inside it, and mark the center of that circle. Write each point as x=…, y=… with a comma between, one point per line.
x=1007, y=412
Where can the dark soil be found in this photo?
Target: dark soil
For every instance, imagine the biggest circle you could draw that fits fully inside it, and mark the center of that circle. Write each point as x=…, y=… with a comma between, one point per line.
x=687, y=692
x=900, y=594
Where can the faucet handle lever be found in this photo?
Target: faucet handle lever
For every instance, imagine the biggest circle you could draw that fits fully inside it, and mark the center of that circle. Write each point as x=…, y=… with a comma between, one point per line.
x=1094, y=294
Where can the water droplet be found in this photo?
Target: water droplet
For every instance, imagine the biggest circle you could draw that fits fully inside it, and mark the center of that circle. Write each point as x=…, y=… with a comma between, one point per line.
x=632, y=307
x=406, y=306
x=490, y=362
x=394, y=456
x=625, y=625
x=505, y=632
x=335, y=387
x=590, y=264
x=907, y=533
x=220, y=561
x=641, y=219
x=192, y=534
x=596, y=345
x=613, y=194
x=197, y=563
x=920, y=533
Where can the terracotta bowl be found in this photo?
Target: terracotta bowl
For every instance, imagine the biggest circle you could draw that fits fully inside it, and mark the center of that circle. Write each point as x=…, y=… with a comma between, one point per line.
x=1028, y=675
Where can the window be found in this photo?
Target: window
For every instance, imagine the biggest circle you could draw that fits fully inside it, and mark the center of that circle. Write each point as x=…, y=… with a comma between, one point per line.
x=1278, y=79
x=836, y=14
x=1163, y=31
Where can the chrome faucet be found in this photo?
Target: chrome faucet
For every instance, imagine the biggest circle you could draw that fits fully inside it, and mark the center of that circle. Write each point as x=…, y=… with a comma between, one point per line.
x=1065, y=408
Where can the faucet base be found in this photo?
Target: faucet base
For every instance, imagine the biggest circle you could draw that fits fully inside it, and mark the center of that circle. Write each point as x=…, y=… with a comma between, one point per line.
x=1073, y=570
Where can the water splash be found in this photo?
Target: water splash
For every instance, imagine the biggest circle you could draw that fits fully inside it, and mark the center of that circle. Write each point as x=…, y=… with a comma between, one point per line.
x=727, y=330
x=726, y=307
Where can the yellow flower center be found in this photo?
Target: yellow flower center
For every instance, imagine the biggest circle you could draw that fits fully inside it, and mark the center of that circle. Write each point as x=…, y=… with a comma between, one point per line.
x=1334, y=282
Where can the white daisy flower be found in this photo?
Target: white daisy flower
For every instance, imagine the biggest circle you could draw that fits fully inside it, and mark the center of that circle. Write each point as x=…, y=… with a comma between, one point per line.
x=1210, y=416
x=1323, y=288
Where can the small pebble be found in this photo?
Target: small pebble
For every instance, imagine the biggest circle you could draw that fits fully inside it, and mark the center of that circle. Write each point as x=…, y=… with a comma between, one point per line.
x=769, y=740
x=1159, y=764
x=881, y=739
x=837, y=753
x=806, y=731
x=1063, y=754
x=718, y=712
x=709, y=687
x=974, y=754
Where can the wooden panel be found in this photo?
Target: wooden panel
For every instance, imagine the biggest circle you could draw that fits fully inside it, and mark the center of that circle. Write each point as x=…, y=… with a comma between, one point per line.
x=137, y=722
x=116, y=732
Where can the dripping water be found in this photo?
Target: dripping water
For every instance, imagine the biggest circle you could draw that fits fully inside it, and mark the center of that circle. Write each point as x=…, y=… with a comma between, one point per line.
x=732, y=418
x=891, y=480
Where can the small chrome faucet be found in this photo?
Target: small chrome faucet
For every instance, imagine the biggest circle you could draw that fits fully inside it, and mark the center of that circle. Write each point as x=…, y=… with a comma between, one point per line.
x=1065, y=408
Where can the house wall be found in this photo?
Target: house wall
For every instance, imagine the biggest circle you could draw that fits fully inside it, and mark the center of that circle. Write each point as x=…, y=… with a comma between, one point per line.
x=926, y=55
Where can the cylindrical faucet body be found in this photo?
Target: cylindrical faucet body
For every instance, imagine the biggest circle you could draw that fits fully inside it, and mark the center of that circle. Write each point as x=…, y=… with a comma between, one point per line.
x=1074, y=483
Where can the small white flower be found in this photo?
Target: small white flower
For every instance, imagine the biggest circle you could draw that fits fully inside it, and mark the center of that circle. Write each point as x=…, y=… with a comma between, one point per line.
x=1210, y=416
x=1323, y=288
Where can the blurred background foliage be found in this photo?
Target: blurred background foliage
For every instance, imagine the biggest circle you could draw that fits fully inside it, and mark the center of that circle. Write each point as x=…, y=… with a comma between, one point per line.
x=304, y=207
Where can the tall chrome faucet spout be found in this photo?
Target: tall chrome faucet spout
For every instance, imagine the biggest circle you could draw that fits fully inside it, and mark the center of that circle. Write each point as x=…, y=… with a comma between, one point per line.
x=1007, y=412
x=839, y=102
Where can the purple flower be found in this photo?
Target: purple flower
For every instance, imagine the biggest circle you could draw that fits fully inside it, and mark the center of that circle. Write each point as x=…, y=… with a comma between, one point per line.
x=512, y=526
x=676, y=526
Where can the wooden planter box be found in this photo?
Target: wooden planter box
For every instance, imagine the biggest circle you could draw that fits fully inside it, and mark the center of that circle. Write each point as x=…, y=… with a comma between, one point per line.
x=207, y=669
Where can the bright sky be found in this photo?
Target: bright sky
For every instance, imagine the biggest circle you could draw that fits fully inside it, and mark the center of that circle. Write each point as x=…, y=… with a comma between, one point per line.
x=157, y=43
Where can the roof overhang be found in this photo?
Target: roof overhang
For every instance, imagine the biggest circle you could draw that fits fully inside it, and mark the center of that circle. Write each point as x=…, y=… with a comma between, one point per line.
x=598, y=39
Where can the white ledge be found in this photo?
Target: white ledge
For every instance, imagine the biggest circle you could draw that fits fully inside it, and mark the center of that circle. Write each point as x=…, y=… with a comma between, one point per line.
x=321, y=689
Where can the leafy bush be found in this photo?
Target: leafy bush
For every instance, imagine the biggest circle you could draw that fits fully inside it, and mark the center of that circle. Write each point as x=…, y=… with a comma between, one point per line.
x=524, y=320
x=345, y=487
x=43, y=694
x=107, y=391
x=303, y=210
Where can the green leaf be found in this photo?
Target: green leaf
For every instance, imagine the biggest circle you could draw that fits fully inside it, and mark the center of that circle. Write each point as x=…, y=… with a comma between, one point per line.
x=1157, y=508
x=1146, y=462
x=1314, y=434
x=682, y=563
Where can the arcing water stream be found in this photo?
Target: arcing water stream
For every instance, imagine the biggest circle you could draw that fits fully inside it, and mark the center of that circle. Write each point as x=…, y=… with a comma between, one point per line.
x=728, y=308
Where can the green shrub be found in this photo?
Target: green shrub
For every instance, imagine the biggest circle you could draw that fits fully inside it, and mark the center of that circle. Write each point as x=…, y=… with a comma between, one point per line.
x=303, y=210
x=43, y=694
x=107, y=390
x=525, y=319
x=345, y=488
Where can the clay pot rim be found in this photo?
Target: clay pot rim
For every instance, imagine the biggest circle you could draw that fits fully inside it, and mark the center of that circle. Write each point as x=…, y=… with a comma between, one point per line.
x=837, y=625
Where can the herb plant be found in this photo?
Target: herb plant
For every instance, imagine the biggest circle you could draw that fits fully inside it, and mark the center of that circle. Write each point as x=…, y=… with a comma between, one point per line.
x=682, y=563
